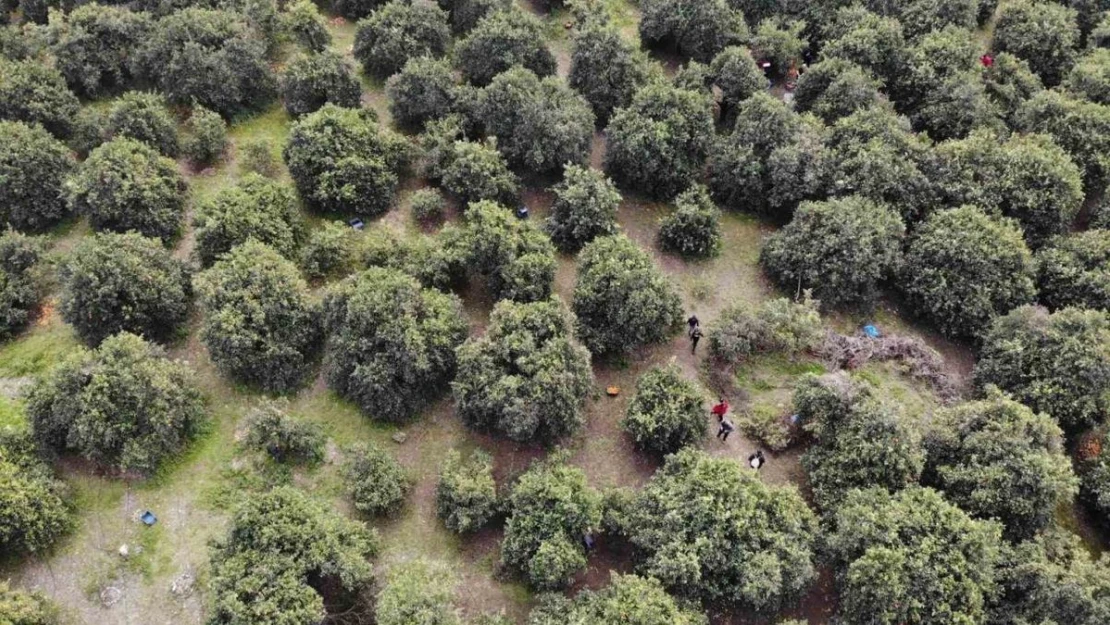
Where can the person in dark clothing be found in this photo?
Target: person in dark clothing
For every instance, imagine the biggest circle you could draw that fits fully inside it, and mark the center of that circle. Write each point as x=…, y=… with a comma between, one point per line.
x=692, y=322
x=756, y=460
x=695, y=336
x=725, y=429
x=588, y=539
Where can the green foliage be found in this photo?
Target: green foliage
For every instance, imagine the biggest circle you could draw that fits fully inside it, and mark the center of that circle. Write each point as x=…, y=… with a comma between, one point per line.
x=524, y=378
x=920, y=17
x=860, y=441
x=629, y=599
x=842, y=249
x=540, y=125
x=604, y=68
x=835, y=88
x=777, y=326
x=311, y=81
x=423, y=90
x=1095, y=481
x=254, y=208
x=699, y=29
x=766, y=425
x=501, y=40
x=621, y=300
x=515, y=257
x=1090, y=78
x=31, y=91
x=329, y=250
x=1074, y=270
x=22, y=280
x=34, y=166
x=270, y=429
x=1028, y=178
x=658, y=144
x=709, y=528
x=261, y=326
x=376, y=483
x=428, y=205
x=911, y=558
x=466, y=495
x=735, y=72
x=1100, y=35
x=942, y=91
x=391, y=343
x=874, y=42
x=123, y=405
x=126, y=185
x=1082, y=128
x=208, y=57
x=20, y=607
x=694, y=228
x=342, y=161
x=475, y=172
x=585, y=208
x=666, y=413
x=258, y=157
x=124, y=282
x=308, y=27
x=34, y=507
x=88, y=130
x=279, y=542
x=1058, y=363
x=1043, y=33
x=418, y=592
x=872, y=153
x=94, y=44
x=205, y=138
x=780, y=41
x=465, y=14
x=772, y=160
x=143, y=117
x=550, y=508
x=997, y=459
x=963, y=268
x=400, y=31
x=1052, y=579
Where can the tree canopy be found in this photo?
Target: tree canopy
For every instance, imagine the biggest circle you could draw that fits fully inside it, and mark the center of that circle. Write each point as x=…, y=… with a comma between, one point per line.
x=278, y=544
x=255, y=208
x=211, y=57
x=127, y=185
x=843, y=249
x=501, y=40
x=997, y=459
x=525, y=378
x=658, y=144
x=911, y=558
x=398, y=32
x=550, y=508
x=621, y=299
x=261, y=326
x=34, y=167
x=963, y=268
x=391, y=342
x=708, y=528
x=1057, y=363
x=342, y=161
x=124, y=282
x=124, y=405
x=540, y=125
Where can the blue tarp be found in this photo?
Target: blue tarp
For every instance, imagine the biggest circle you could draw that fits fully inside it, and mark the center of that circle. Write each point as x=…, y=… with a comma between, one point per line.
x=148, y=518
x=871, y=331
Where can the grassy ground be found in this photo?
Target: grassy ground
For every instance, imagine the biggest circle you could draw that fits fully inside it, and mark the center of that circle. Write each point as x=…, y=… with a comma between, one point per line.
x=192, y=496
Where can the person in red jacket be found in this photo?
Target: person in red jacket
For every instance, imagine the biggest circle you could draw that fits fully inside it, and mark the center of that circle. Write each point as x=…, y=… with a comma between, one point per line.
x=721, y=409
